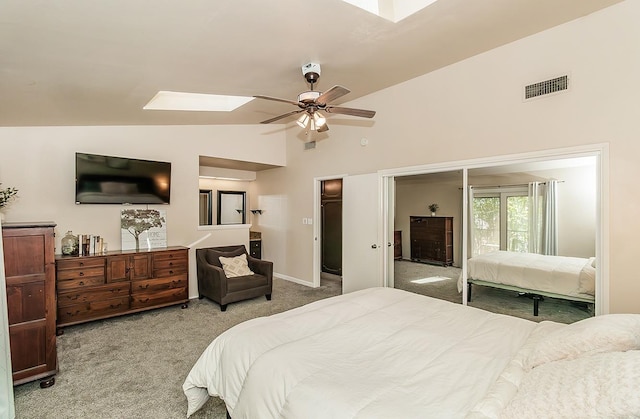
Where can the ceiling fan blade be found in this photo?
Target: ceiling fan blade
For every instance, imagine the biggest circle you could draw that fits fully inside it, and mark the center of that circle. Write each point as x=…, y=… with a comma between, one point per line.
x=284, y=115
x=323, y=128
x=363, y=113
x=277, y=99
x=332, y=94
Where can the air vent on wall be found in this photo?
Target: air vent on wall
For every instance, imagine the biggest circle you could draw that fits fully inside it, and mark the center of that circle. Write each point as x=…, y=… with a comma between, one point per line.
x=546, y=87
x=309, y=145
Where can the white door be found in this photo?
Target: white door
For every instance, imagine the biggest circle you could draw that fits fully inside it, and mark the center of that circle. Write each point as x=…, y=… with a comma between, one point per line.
x=361, y=239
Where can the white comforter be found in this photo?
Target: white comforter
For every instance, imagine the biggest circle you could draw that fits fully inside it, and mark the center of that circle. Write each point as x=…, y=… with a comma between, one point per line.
x=564, y=275
x=375, y=353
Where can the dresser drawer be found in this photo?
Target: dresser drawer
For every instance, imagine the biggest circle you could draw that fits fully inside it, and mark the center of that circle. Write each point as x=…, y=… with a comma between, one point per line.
x=163, y=273
x=79, y=263
x=149, y=299
x=101, y=293
x=80, y=273
x=159, y=284
x=92, y=310
x=80, y=283
x=180, y=255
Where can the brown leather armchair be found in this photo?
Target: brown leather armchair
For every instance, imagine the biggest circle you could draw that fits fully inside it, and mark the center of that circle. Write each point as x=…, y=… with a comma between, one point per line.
x=214, y=284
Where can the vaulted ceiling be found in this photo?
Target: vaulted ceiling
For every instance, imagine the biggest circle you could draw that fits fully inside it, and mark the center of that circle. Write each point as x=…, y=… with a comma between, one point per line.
x=78, y=62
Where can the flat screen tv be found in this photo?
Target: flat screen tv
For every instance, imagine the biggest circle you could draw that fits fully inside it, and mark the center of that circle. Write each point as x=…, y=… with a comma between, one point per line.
x=119, y=180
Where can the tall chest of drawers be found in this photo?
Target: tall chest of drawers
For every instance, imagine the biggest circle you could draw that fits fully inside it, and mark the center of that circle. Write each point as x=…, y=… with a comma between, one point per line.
x=101, y=286
x=431, y=239
x=31, y=307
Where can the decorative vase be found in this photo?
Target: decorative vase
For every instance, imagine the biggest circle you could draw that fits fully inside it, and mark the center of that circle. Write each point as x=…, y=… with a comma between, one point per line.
x=69, y=244
x=433, y=214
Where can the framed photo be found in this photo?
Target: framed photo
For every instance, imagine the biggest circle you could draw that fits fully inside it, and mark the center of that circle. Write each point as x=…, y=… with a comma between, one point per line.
x=143, y=229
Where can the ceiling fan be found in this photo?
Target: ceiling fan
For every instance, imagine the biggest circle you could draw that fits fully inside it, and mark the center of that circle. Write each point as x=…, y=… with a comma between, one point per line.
x=312, y=102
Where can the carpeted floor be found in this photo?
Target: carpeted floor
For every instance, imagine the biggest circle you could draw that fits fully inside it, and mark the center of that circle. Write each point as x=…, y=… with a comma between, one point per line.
x=486, y=298
x=134, y=366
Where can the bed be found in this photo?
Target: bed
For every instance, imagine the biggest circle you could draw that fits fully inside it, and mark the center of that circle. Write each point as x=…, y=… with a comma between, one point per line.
x=565, y=277
x=384, y=352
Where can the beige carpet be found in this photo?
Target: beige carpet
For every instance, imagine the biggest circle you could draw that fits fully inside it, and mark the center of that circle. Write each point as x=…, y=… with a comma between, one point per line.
x=486, y=298
x=134, y=366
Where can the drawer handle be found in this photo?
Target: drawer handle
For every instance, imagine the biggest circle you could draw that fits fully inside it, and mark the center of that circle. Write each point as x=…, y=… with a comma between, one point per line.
x=74, y=313
x=81, y=263
x=171, y=272
x=81, y=274
x=115, y=305
x=75, y=297
x=144, y=301
x=81, y=283
x=143, y=287
x=170, y=263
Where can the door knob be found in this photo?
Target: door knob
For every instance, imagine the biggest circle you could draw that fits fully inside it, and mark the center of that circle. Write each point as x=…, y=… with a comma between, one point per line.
x=374, y=246
x=388, y=244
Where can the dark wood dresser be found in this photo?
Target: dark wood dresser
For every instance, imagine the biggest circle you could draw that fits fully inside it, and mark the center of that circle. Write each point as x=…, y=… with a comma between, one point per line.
x=431, y=239
x=29, y=265
x=120, y=282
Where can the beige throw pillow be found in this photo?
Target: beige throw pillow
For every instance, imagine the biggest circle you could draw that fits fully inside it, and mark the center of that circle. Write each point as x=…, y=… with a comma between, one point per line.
x=235, y=266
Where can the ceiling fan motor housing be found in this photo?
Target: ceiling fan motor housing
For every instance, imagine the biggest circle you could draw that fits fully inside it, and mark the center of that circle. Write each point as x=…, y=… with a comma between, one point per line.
x=311, y=72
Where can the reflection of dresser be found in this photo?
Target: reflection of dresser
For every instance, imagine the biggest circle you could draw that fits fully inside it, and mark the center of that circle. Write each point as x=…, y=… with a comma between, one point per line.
x=431, y=239
x=397, y=244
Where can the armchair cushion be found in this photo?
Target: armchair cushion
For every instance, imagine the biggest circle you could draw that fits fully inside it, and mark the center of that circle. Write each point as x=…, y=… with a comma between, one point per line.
x=213, y=255
x=235, y=266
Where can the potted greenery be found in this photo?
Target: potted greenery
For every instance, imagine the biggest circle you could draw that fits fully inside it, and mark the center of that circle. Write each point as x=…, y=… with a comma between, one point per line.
x=6, y=196
x=433, y=208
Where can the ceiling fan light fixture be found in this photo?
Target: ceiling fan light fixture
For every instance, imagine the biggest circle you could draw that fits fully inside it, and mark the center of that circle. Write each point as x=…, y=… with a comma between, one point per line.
x=303, y=120
x=319, y=119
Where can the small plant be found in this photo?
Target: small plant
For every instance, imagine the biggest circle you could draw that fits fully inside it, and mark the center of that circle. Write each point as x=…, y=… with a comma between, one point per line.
x=7, y=195
x=433, y=207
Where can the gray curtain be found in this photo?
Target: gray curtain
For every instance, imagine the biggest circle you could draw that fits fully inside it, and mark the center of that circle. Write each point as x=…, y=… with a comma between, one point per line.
x=473, y=248
x=549, y=239
x=543, y=218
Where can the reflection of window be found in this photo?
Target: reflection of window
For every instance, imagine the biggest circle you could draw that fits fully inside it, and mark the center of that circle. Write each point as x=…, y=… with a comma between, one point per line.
x=205, y=207
x=500, y=220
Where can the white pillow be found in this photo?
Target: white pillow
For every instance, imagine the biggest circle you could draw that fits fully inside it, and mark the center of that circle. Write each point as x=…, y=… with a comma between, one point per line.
x=606, y=333
x=587, y=280
x=235, y=266
x=599, y=386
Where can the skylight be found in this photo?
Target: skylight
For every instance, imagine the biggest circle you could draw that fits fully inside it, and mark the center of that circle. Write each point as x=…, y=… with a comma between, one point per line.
x=180, y=101
x=393, y=10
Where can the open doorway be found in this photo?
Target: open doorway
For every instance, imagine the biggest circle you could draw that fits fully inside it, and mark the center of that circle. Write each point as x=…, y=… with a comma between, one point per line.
x=327, y=230
x=331, y=229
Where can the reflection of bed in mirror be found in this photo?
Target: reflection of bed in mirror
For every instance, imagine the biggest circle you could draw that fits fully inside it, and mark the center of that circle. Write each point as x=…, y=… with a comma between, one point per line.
x=564, y=277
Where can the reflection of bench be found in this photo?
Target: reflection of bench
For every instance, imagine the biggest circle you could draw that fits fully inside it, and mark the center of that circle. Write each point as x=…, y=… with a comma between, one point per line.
x=535, y=295
x=214, y=284
x=564, y=277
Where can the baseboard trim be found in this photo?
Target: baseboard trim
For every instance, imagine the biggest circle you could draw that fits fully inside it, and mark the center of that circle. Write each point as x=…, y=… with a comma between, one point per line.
x=293, y=279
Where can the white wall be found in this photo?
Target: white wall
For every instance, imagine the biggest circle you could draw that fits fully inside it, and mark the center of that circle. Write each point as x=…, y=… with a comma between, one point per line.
x=40, y=162
x=474, y=109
